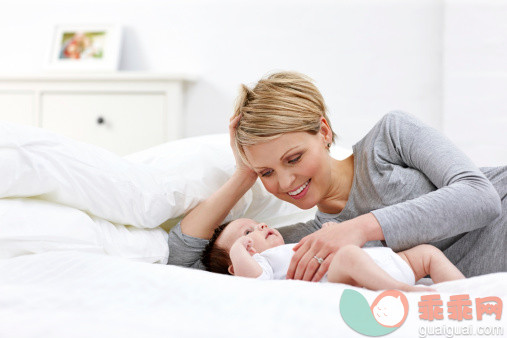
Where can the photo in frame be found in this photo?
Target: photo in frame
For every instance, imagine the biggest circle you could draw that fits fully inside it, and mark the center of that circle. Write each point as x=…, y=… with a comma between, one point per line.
x=85, y=48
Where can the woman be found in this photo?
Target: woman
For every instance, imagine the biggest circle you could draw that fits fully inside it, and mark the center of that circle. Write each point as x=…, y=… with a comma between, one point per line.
x=404, y=185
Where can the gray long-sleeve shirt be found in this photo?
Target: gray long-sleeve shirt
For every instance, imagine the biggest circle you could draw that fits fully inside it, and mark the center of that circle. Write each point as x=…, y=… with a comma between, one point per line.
x=421, y=189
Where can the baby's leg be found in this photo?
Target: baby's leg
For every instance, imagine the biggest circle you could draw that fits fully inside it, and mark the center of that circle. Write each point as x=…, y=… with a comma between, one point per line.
x=426, y=260
x=352, y=265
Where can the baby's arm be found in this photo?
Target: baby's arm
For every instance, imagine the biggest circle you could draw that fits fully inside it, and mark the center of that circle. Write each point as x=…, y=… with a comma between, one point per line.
x=242, y=261
x=426, y=260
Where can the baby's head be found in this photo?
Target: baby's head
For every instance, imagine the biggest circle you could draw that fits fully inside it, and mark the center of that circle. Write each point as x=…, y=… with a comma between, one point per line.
x=215, y=256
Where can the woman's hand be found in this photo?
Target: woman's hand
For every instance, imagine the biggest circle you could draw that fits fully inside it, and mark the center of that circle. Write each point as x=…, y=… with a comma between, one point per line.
x=325, y=242
x=241, y=167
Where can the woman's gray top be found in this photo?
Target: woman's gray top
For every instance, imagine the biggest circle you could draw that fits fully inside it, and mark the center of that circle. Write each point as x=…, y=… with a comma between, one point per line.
x=421, y=189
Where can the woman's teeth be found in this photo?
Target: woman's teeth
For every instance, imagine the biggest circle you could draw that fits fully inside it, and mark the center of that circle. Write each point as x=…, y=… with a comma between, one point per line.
x=298, y=191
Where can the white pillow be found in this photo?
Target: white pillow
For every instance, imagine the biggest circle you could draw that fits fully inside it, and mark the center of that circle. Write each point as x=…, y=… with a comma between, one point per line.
x=194, y=168
x=143, y=190
x=36, y=162
x=30, y=226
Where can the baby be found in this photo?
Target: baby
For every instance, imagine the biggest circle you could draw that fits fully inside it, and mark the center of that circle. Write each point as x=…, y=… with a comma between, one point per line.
x=249, y=249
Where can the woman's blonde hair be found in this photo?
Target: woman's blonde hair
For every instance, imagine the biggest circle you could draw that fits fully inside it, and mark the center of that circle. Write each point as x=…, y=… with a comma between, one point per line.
x=281, y=103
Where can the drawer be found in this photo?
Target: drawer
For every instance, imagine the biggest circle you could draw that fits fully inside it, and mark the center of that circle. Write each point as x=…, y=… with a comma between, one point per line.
x=17, y=108
x=120, y=122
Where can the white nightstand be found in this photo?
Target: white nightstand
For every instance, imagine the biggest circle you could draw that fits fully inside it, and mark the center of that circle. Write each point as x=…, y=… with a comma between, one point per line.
x=123, y=112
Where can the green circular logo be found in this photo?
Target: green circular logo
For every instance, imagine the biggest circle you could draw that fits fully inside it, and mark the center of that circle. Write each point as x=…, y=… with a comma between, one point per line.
x=385, y=315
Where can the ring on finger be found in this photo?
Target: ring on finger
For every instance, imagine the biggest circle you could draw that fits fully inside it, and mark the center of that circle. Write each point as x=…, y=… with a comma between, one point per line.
x=320, y=260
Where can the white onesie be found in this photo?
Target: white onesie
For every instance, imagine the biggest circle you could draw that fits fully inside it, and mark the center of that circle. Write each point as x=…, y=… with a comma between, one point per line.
x=275, y=263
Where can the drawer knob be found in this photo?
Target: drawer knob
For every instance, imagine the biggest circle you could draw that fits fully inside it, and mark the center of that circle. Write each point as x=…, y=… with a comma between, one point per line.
x=100, y=120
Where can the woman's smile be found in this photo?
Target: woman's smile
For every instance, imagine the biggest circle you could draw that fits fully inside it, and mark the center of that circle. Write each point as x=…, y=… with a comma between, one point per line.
x=301, y=191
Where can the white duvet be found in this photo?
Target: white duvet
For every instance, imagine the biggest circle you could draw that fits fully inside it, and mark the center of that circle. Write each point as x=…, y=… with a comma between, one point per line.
x=60, y=194
x=75, y=294
x=79, y=235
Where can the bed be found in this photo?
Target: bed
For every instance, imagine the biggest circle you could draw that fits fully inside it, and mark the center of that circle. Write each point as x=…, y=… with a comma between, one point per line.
x=83, y=249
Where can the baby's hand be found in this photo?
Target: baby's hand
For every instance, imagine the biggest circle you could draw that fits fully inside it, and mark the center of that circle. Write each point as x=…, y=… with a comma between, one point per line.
x=247, y=243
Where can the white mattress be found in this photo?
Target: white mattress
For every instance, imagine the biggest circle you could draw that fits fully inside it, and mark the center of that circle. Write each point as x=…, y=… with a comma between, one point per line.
x=76, y=294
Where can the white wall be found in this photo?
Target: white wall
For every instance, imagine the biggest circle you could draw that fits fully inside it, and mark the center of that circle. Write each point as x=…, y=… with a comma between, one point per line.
x=475, y=78
x=366, y=56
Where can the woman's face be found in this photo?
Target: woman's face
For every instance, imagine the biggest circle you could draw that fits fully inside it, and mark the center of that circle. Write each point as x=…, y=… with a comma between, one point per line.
x=294, y=167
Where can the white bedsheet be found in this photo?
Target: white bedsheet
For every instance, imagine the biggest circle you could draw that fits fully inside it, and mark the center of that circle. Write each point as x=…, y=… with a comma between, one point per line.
x=76, y=294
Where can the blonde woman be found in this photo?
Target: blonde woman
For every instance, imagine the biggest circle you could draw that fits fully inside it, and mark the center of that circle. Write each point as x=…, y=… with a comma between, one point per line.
x=405, y=184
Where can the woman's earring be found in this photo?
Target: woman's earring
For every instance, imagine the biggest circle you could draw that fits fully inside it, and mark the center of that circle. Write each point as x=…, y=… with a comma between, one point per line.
x=329, y=145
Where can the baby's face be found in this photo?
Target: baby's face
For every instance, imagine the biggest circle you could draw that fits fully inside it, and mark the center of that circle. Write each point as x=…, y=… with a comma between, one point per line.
x=263, y=237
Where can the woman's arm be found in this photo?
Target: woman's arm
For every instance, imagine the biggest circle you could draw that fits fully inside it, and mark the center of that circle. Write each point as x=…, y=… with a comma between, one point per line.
x=188, y=239
x=204, y=218
x=462, y=200
x=426, y=190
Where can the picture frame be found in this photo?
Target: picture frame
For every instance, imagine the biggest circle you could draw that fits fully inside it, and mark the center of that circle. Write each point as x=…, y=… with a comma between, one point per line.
x=85, y=47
